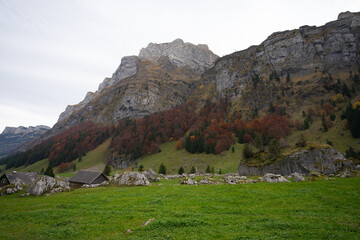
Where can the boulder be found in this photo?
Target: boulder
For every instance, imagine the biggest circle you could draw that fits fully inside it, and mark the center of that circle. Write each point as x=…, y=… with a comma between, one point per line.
x=273, y=178
x=187, y=181
x=297, y=177
x=150, y=175
x=323, y=160
x=44, y=184
x=315, y=176
x=131, y=179
x=206, y=181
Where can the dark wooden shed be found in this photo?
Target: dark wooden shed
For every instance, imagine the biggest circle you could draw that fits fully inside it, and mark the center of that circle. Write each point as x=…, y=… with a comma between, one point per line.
x=11, y=177
x=87, y=177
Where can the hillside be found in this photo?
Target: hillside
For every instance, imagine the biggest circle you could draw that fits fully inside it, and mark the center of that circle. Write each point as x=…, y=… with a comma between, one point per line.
x=302, y=82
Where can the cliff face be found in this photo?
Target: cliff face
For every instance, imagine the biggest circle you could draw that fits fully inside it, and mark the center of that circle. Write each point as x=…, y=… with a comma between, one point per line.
x=12, y=137
x=331, y=48
x=326, y=161
x=162, y=76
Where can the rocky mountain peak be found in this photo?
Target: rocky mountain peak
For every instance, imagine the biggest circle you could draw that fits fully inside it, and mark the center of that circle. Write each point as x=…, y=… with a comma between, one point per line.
x=181, y=54
x=13, y=137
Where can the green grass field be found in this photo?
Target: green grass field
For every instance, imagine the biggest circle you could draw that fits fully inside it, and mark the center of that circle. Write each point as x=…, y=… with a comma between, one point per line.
x=304, y=210
x=173, y=159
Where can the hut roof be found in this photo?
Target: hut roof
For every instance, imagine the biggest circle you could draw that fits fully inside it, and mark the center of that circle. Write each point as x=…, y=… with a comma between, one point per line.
x=86, y=177
x=26, y=177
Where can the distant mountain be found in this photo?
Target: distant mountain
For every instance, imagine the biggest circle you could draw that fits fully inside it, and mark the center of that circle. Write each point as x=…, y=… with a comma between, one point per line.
x=13, y=137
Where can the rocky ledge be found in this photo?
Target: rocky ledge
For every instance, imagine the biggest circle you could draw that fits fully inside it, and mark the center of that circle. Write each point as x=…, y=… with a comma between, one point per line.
x=325, y=160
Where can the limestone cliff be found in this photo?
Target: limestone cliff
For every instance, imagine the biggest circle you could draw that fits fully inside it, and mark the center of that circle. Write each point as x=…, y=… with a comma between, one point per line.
x=326, y=161
x=159, y=78
x=303, y=52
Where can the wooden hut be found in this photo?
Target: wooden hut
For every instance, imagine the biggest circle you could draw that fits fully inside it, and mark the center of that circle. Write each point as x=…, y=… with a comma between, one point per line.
x=87, y=177
x=11, y=177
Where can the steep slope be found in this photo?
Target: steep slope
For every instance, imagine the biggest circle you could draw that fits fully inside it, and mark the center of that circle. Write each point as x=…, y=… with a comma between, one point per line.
x=159, y=78
x=13, y=137
x=287, y=67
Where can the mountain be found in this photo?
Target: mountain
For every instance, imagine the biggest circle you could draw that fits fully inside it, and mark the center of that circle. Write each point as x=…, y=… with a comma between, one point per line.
x=309, y=57
x=13, y=137
x=299, y=82
x=160, y=77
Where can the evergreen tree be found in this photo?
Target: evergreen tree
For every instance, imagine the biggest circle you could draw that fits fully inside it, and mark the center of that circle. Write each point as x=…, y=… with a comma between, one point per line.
x=162, y=169
x=212, y=170
x=247, y=151
x=49, y=171
x=181, y=170
x=302, y=141
x=74, y=167
x=208, y=170
x=323, y=121
x=274, y=147
x=80, y=158
x=193, y=170
x=220, y=171
x=259, y=142
x=107, y=170
x=232, y=149
x=141, y=168
x=288, y=78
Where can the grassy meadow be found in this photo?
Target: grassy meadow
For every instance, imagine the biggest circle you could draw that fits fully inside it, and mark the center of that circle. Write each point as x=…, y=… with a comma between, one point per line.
x=304, y=210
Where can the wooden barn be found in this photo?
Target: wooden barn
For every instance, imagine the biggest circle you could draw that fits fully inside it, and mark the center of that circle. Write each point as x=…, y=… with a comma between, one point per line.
x=11, y=177
x=87, y=177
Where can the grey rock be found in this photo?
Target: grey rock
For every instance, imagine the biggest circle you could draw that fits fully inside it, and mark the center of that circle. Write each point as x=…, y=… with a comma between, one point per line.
x=70, y=109
x=325, y=160
x=297, y=177
x=188, y=181
x=331, y=48
x=195, y=57
x=150, y=175
x=206, y=181
x=148, y=221
x=273, y=178
x=131, y=179
x=44, y=184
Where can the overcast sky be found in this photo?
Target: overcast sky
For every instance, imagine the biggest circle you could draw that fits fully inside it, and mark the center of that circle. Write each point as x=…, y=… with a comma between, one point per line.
x=53, y=51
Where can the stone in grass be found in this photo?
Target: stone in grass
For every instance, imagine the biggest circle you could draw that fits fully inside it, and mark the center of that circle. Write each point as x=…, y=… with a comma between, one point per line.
x=131, y=179
x=273, y=178
x=187, y=181
x=297, y=177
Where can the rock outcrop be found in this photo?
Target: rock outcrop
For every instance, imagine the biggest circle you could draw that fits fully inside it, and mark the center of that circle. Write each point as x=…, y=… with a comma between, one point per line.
x=130, y=179
x=273, y=178
x=325, y=160
x=196, y=57
x=48, y=185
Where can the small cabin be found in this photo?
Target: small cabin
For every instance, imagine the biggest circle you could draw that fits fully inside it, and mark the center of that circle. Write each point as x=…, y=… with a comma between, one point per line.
x=11, y=177
x=87, y=177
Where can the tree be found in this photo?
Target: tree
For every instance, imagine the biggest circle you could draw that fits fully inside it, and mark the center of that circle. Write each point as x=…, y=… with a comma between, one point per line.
x=220, y=171
x=193, y=170
x=80, y=159
x=288, y=78
x=42, y=171
x=208, y=170
x=212, y=170
x=162, y=169
x=274, y=147
x=74, y=167
x=141, y=168
x=107, y=170
x=301, y=142
x=259, y=142
x=181, y=170
x=247, y=151
x=177, y=145
x=49, y=171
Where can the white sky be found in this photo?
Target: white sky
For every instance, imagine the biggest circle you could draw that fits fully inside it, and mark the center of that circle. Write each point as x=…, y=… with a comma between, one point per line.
x=53, y=51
